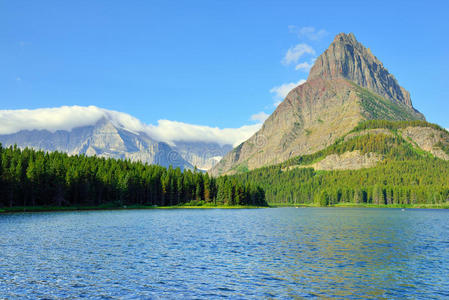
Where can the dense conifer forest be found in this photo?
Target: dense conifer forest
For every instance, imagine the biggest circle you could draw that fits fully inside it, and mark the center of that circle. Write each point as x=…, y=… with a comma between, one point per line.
x=399, y=182
x=36, y=178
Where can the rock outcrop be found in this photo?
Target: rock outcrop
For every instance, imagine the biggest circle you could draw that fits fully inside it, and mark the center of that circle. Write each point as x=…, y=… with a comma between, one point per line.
x=428, y=139
x=353, y=160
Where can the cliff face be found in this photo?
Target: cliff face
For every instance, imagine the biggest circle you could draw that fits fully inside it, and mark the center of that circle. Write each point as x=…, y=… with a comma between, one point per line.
x=346, y=85
x=349, y=59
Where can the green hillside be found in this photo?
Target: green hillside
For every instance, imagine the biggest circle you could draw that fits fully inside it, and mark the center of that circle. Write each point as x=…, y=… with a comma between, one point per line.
x=406, y=174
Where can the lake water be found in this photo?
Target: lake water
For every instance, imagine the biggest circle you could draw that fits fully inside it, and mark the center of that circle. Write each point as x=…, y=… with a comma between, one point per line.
x=248, y=253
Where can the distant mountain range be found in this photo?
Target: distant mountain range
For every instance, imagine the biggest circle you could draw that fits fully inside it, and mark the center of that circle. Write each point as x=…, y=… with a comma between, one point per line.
x=111, y=139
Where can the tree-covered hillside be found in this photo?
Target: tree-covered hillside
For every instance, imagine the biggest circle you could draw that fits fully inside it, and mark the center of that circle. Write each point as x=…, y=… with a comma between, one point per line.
x=405, y=175
x=37, y=178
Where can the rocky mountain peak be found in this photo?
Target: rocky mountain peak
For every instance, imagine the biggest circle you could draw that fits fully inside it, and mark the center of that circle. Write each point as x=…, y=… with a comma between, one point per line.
x=347, y=85
x=347, y=58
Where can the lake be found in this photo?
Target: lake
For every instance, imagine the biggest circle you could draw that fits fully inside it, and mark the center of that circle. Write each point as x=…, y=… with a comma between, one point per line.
x=213, y=253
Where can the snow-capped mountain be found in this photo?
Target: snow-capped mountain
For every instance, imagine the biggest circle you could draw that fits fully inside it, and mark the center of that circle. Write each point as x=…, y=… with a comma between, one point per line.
x=104, y=133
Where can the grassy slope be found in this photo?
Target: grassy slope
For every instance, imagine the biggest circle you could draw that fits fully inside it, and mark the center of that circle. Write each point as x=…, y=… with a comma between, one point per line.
x=376, y=107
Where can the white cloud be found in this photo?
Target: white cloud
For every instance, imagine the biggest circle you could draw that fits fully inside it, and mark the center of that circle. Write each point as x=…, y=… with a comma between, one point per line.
x=305, y=66
x=295, y=53
x=260, y=117
x=281, y=91
x=52, y=119
x=171, y=131
x=69, y=117
x=308, y=32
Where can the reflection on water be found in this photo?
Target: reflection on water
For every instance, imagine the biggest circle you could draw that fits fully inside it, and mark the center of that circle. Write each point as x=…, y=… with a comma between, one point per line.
x=284, y=252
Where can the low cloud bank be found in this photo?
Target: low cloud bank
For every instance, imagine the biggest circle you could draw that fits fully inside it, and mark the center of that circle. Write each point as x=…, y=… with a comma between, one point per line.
x=170, y=131
x=69, y=117
x=52, y=119
x=260, y=117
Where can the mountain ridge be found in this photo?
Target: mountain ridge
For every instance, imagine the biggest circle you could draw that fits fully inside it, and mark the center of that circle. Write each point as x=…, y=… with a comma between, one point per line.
x=110, y=139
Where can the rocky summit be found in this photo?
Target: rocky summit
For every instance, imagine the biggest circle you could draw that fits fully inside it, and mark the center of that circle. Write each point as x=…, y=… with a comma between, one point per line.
x=349, y=59
x=346, y=85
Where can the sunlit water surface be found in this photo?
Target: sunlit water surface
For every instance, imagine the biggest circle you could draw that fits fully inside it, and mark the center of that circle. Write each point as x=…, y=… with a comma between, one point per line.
x=249, y=253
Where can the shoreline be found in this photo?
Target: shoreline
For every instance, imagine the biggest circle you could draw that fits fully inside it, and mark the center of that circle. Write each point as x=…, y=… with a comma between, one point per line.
x=21, y=209
x=365, y=205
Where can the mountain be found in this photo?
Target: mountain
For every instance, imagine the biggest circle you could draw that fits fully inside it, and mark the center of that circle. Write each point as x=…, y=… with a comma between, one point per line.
x=346, y=85
x=347, y=58
x=203, y=155
x=111, y=139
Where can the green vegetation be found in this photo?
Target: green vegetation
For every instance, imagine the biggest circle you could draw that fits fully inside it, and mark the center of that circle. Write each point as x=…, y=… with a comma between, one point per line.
x=241, y=168
x=407, y=176
x=390, y=146
x=444, y=147
x=421, y=181
x=394, y=125
x=30, y=178
x=379, y=108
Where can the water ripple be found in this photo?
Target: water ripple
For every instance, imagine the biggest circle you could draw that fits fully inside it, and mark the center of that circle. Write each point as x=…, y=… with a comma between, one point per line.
x=266, y=253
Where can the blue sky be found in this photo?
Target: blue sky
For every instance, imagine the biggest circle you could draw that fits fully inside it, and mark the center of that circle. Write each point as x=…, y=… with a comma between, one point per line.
x=207, y=62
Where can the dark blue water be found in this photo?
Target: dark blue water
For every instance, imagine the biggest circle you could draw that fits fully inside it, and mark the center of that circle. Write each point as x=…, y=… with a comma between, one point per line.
x=254, y=253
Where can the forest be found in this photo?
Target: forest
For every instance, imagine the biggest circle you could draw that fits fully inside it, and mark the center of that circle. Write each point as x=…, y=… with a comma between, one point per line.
x=398, y=182
x=407, y=175
x=30, y=178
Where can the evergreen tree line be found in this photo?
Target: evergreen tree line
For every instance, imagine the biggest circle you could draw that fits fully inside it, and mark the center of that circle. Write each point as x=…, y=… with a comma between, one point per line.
x=394, y=125
x=36, y=178
x=424, y=181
